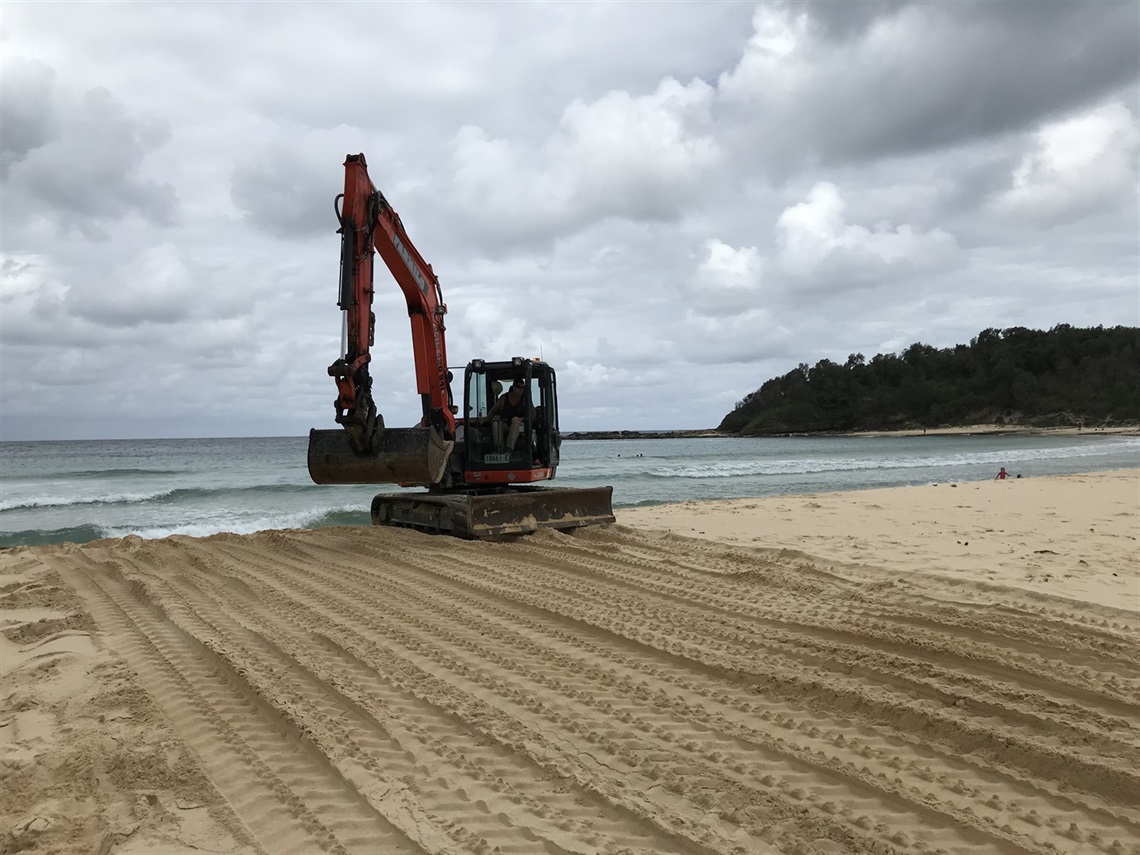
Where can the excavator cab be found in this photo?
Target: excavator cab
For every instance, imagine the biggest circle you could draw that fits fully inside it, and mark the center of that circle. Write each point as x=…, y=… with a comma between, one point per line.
x=516, y=441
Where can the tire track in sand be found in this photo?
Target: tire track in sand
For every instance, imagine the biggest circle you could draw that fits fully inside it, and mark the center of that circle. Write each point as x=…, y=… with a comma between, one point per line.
x=569, y=729
x=1056, y=806
x=613, y=692
x=495, y=815
x=1064, y=816
x=375, y=662
x=1041, y=649
x=440, y=634
x=993, y=811
x=1080, y=747
x=280, y=789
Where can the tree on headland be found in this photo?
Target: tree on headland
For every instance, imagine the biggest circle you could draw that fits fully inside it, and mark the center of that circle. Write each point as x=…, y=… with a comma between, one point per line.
x=1063, y=376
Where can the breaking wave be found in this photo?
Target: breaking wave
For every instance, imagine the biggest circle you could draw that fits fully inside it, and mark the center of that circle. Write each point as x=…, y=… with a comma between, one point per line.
x=190, y=494
x=86, y=533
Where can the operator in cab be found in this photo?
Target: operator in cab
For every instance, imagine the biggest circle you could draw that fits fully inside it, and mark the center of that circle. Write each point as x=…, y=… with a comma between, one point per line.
x=508, y=414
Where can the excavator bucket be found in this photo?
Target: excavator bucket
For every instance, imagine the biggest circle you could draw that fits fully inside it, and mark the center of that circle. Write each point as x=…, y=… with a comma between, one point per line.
x=408, y=456
x=519, y=510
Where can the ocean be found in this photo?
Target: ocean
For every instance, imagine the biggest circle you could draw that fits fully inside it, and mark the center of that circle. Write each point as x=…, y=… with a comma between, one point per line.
x=52, y=492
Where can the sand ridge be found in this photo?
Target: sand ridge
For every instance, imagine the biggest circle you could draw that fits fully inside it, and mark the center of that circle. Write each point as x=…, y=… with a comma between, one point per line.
x=619, y=690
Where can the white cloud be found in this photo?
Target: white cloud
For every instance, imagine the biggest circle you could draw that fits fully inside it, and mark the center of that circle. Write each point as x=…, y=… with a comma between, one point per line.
x=727, y=280
x=820, y=249
x=79, y=159
x=650, y=149
x=1078, y=165
x=31, y=299
x=638, y=157
x=770, y=65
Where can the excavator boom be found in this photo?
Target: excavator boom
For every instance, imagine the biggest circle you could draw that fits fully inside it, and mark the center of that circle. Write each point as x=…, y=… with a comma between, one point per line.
x=366, y=451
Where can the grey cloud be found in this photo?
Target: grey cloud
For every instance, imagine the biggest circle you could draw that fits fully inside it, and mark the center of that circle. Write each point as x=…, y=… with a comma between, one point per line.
x=1075, y=15
x=14, y=267
x=942, y=74
x=130, y=304
x=88, y=172
x=749, y=338
x=284, y=193
x=973, y=183
x=26, y=88
x=840, y=19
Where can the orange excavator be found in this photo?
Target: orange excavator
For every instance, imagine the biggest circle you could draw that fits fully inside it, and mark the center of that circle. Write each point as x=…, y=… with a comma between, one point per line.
x=483, y=464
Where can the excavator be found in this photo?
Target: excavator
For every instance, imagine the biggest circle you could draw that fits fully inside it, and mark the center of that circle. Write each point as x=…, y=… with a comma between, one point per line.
x=482, y=465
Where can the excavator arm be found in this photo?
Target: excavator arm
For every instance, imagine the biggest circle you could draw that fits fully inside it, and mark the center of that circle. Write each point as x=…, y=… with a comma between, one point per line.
x=370, y=226
x=365, y=451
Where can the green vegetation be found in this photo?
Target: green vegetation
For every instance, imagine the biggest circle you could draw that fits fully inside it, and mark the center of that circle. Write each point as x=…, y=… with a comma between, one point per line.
x=1066, y=376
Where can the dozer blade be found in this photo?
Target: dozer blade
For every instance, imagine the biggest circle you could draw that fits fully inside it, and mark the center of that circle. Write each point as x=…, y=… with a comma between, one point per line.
x=410, y=456
x=520, y=510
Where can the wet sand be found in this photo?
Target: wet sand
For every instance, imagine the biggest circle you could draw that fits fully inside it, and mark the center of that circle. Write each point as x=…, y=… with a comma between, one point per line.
x=895, y=671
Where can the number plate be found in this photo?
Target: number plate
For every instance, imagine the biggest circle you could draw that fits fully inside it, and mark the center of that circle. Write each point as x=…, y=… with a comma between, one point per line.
x=504, y=457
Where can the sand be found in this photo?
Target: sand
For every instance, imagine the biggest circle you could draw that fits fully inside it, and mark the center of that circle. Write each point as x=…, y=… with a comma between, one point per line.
x=945, y=668
x=1073, y=536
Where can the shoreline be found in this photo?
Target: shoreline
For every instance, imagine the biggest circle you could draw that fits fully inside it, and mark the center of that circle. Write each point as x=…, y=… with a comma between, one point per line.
x=671, y=472
x=962, y=430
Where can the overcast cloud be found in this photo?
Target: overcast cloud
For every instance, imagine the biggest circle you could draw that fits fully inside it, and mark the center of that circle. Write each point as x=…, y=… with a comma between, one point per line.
x=670, y=202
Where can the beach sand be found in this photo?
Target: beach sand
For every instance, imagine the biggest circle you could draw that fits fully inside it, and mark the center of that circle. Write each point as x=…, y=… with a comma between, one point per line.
x=942, y=668
x=1073, y=536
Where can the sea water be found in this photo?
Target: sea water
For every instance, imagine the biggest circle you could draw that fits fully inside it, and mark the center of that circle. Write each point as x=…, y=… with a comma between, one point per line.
x=51, y=492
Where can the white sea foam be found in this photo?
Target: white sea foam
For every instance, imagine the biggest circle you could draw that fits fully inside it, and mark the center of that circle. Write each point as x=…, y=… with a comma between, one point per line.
x=234, y=524
x=56, y=501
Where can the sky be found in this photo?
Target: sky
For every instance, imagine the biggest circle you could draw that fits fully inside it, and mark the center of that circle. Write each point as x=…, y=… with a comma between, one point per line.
x=669, y=202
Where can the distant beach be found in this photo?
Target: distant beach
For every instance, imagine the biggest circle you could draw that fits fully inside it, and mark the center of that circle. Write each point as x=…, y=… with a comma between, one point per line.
x=962, y=430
